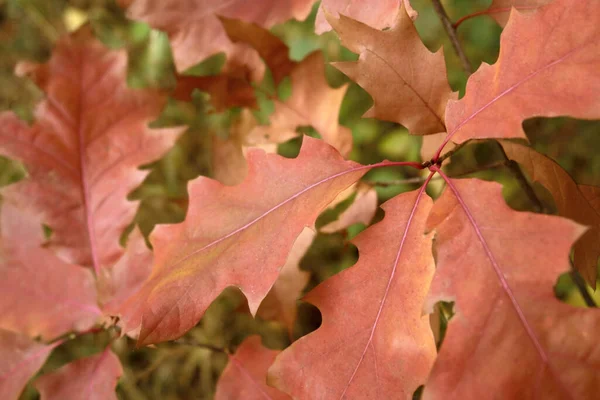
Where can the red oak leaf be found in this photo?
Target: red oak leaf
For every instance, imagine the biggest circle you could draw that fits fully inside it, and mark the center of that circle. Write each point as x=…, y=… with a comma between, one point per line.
x=235, y=236
x=510, y=336
x=407, y=82
x=245, y=377
x=21, y=358
x=550, y=77
x=90, y=378
x=83, y=152
x=375, y=340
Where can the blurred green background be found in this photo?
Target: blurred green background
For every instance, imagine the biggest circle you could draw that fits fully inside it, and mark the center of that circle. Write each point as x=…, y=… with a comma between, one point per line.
x=28, y=30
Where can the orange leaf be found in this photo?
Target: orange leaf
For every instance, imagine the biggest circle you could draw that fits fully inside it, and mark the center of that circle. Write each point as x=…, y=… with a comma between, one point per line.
x=90, y=378
x=375, y=341
x=41, y=294
x=195, y=30
x=500, y=9
x=407, y=82
x=21, y=358
x=362, y=210
x=83, y=152
x=554, y=76
x=235, y=236
x=245, y=377
x=510, y=336
x=577, y=202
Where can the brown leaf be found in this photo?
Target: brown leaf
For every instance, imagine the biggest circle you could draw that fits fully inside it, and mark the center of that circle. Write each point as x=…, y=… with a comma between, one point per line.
x=83, y=152
x=21, y=358
x=312, y=103
x=245, y=375
x=235, y=236
x=375, y=341
x=550, y=77
x=41, y=294
x=407, y=82
x=362, y=210
x=90, y=378
x=509, y=336
x=577, y=202
x=195, y=30
x=280, y=304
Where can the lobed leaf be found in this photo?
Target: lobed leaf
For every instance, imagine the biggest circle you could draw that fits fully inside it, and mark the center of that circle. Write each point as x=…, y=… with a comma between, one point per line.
x=550, y=77
x=407, y=82
x=374, y=341
x=83, y=152
x=235, y=236
x=509, y=336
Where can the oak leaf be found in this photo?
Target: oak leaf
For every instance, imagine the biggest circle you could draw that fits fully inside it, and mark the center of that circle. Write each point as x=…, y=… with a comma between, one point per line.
x=194, y=29
x=375, y=340
x=509, y=336
x=551, y=77
x=245, y=377
x=41, y=294
x=235, y=236
x=312, y=103
x=83, y=152
x=21, y=358
x=407, y=82
x=581, y=203
x=90, y=378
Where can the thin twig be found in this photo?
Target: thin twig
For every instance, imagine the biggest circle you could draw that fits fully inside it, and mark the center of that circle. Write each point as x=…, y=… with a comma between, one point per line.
x=581, y=287
x=451, y=31
x=514, y=168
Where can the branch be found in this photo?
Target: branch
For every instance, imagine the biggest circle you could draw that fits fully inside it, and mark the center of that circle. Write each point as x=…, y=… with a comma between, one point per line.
x=581, y=287
x=451, y=31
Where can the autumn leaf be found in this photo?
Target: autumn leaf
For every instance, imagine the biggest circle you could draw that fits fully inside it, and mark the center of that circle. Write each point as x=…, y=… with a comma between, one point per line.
x=375, y=340
x=194, y=29
x=577, y=202
x=245, y=377
x=90, y=378
x=362, y=210
x=407, y=82
x=509, y=336
x=41, y=294
x=312, y=103
x=21, y=358
x=280, y=304
x=500, y=9
x=551, y=77
x=225, y=90
x=235, y=236
x=83, y=152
